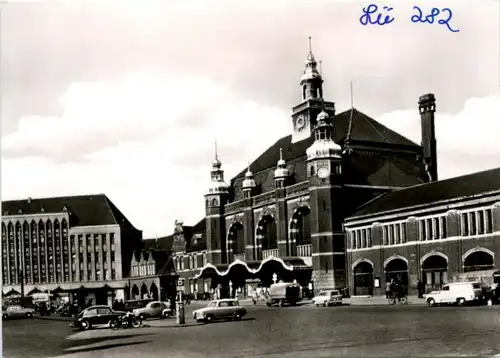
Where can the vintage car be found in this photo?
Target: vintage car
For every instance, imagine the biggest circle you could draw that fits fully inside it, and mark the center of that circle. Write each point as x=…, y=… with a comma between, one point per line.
x=328, y=297
x=95, y=316
x=225, y=309
x=153, y=309
x=17, y=312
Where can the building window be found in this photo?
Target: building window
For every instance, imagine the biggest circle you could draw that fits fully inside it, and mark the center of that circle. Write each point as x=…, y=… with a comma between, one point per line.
x=435, y=228
x=480, y=222
x=112, y=238
x=442, y=227
x=390, y=232
x=465, y=224
x=112, y=256
x=384, y=235
x=113, y=274
x=488, y=226
x=106, y=277
x=396, y=234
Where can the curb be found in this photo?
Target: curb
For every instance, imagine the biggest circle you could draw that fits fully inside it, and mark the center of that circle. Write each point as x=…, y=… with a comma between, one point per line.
x=53, y=319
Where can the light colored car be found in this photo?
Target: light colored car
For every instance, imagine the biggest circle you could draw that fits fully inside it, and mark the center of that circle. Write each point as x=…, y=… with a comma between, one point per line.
x=152, y=310
x=225, y=309
x=456, y=293
x=328, y=297
x=17, y=312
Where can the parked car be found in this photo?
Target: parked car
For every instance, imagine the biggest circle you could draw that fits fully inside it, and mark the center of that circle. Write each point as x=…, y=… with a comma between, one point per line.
x=327, y=298
x=96, y=316
x=284, y=293
x=456, y=293
x=225, y=309
x=168, y=312
x=134, y=304
x=17, y=312
x=151, y=310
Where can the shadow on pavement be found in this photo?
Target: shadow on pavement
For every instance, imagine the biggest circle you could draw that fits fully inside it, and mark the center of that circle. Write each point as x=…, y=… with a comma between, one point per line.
x=86, y=341
x=106, y=346
x=204, y=324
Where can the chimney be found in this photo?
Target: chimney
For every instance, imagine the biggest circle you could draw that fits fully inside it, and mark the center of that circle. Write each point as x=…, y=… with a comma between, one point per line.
x=427, y=107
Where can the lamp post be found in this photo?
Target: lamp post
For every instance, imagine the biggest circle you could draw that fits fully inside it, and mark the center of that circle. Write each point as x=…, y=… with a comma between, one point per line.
x=230, y=289
x=275, y=277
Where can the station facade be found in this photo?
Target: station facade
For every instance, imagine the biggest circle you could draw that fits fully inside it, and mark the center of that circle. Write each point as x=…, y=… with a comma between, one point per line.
x=282, y=218
x=439, y=232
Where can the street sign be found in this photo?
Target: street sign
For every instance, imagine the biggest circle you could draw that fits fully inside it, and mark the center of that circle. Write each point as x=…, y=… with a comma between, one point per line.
x=180, y=284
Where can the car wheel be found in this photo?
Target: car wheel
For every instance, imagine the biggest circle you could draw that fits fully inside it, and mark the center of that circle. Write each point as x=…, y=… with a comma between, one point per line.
x=142, y=317
x=431, y=302
x=209, y=319
x=237, y=316
x=325, y=304
x=114, y=324
x=5, y=316
x=29, y=315
x=317, y=304
x=461, y=301
x=281, y=303
x=86, y=325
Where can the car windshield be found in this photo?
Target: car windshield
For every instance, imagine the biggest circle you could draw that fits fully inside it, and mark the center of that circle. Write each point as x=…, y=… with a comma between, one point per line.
x=212, y=304
x=323, y=293
x=335, y=293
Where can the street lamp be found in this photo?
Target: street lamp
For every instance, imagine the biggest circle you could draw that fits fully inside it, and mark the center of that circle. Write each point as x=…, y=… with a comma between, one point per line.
x=275, y=277
x=230, y=289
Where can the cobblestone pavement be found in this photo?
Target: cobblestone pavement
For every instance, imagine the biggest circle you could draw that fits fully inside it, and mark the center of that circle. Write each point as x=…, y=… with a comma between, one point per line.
x=304, y=331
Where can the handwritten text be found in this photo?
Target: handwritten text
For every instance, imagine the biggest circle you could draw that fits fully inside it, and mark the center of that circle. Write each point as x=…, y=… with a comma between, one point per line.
x=381, y=15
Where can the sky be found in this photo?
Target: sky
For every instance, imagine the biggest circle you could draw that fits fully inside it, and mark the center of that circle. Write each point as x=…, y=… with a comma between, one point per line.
x=127, y=98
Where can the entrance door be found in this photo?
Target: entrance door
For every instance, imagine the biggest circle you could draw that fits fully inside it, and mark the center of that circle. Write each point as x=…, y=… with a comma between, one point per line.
x=363, y=279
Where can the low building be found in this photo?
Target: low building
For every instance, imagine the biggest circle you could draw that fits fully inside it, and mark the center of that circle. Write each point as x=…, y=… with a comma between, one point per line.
x=78, y=246
x=152, y=275
x=436, y=232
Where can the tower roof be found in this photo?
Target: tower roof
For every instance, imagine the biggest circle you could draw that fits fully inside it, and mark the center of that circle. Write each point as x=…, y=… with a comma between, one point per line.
x=310, y=72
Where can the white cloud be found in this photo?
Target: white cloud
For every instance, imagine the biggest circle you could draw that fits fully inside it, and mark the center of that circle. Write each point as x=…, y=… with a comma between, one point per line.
x=147, y=142
x=466, y=141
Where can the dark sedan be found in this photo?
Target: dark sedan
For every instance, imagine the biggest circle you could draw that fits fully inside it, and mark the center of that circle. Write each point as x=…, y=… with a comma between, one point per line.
x=95, y=316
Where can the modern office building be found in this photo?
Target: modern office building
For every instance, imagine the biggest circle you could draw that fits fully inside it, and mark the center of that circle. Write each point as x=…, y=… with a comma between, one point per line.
x=80, y=246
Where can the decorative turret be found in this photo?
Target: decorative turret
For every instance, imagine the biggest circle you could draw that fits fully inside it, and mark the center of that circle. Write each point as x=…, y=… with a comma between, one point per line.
x=324, y=146
x=248, y=184
x=218, y=185
x=281, y=173
x=311, y=80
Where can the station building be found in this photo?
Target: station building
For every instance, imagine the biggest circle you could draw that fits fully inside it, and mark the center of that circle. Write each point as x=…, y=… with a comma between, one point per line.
x=282, y=217
x=437, y=232
x=78, y=246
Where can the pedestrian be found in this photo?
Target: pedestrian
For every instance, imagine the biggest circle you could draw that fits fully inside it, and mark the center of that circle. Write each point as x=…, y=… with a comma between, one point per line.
x=388, y=286
x=115, y=305
x=420, y=289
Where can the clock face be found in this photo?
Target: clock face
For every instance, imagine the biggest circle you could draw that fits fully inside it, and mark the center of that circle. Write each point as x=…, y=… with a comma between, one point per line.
x=301, y=123
x=323, y=173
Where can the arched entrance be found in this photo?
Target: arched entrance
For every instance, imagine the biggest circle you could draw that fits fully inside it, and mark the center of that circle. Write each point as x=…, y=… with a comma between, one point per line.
x=266, y=234
x=397, y=270
x=236, y=241
x=154, y=292
x=273, y=267
x=434, y=272
x=478, y=261
x=363, y=279
x=144, y=291
x=300, y=230
x=135, y=292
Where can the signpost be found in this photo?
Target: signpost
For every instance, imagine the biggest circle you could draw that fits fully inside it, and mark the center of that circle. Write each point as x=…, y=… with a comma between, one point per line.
x=180, y=313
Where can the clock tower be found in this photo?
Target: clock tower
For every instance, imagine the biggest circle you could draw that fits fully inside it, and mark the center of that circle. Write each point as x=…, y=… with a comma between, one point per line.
x=324, y=171
x=304, y=115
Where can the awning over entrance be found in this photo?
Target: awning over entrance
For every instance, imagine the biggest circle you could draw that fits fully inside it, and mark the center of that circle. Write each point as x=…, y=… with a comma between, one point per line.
x=254, y=267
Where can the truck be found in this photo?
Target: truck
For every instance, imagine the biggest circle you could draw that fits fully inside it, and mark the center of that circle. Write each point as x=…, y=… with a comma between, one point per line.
x=284, y=293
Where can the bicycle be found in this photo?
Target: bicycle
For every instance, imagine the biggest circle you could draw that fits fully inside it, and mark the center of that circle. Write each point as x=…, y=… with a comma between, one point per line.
x=401, y=298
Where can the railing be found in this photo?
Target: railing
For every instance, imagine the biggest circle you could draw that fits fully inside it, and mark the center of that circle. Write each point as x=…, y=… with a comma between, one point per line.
x=300, y=188
x=304, y=250
x=235, y=205
x=264, y=198
x=269, y=253
x=240, y=257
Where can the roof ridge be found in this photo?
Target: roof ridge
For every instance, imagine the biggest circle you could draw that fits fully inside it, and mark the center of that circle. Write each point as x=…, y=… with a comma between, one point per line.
x=55, y=197
x=111, y=209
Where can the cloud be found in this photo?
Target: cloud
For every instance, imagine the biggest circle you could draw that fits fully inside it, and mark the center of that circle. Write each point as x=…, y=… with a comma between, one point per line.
x=466, y=141
x=148, y=143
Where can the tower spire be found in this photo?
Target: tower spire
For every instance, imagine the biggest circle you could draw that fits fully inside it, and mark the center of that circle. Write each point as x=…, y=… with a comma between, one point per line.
x=216, y=155
x=310, y=45
x=349, y=128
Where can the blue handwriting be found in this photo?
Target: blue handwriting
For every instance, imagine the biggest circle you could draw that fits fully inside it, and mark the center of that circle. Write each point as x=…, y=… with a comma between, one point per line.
x=380, y=15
